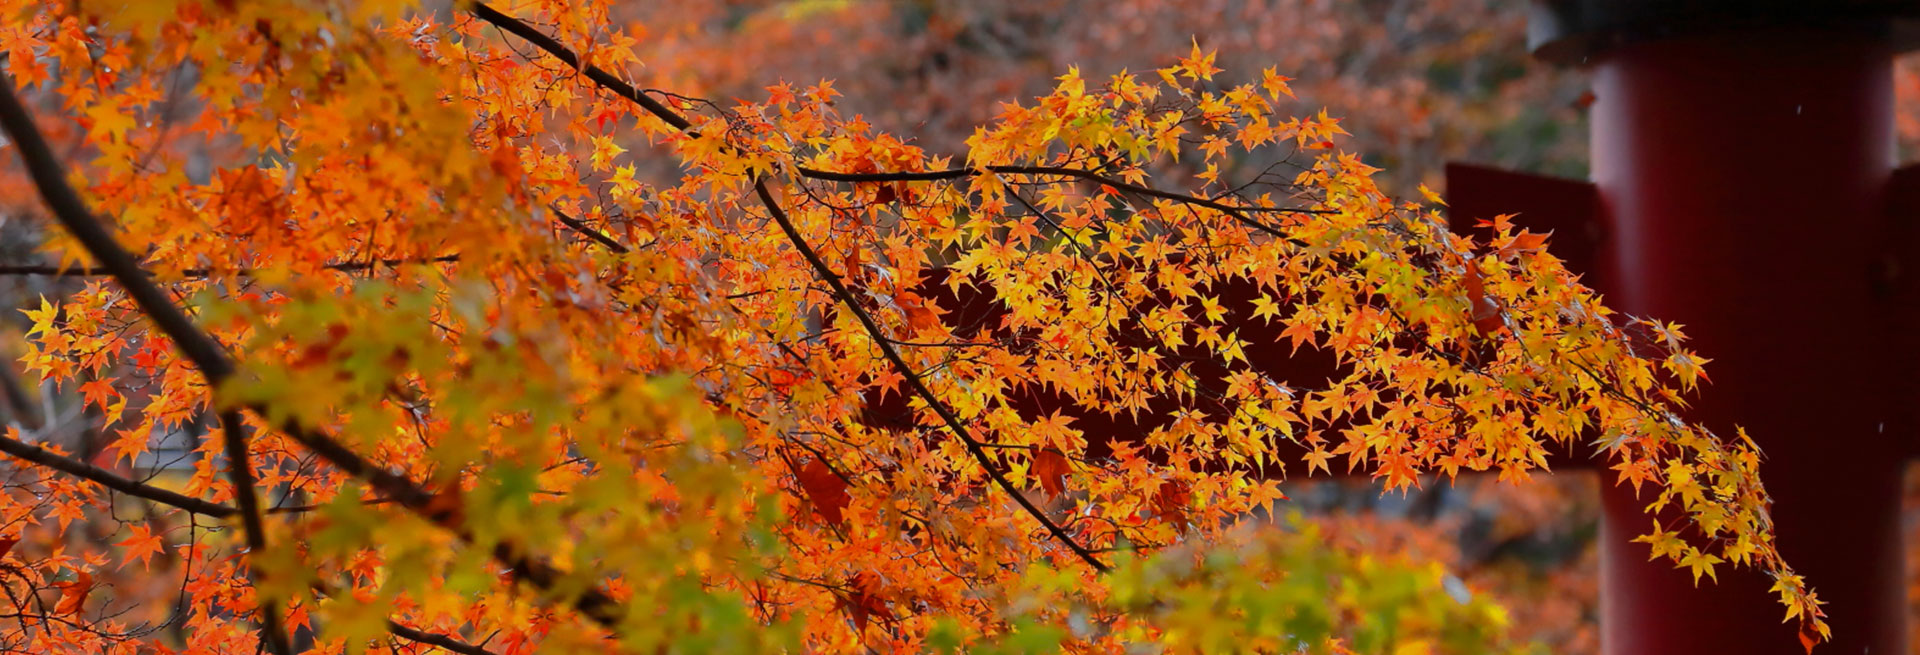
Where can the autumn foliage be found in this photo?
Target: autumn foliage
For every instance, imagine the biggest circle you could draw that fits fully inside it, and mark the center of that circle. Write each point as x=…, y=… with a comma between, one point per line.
x=470, y=380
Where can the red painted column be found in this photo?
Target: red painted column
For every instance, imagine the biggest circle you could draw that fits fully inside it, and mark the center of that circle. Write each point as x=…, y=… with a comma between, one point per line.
x=1743, y=174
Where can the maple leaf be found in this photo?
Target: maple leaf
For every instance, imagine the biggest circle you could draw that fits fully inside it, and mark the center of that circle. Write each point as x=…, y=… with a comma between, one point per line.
x=1198, y=65
x=887, y=382
x=1501, y=223
x=1300, y=332
x=1052, y=469
x=1664, y=544
x=1483, y=311
x=604, y=151
x=1275, y=83
x=827, y=491
x=1636, y=471
x=1212, y=309
x=109, y=121
x=130, y=445
x=1054, y=431
x=98, y=392
x=921, y=316
x=143, y=545
x=1523, y=242
x=1399, y=471
x=860, y=603
x=1810, y=636
x=1265, y=308
x=73, y=593
x=1317, y=459
x=609, y=114
x=1787, y=585
x=1699, y=562
x=42, y=318
x=1171, y=500
x=298, y=617
x=68, y=511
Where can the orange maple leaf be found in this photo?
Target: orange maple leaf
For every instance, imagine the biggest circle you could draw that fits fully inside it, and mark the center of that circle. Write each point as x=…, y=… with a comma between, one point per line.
x=73, y=594
x=143, y=545
x=97, y=392
x=1052, y=468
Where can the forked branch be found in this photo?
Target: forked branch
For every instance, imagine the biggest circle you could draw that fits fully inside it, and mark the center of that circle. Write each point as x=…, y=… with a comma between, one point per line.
x=841, y=292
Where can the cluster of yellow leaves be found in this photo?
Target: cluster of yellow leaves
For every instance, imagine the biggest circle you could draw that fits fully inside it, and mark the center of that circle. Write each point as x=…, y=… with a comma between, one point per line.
x=434, y=239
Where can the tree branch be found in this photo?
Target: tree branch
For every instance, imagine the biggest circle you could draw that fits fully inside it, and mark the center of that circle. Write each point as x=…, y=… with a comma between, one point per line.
x=37, y=455
x=207, y=355
x=598, y=75
x=435, y=639
x=666, y=114
x=49, y=178
x=192, y=273
x=913, y=379
x=240, y=473
x=1061, y=171
x=587, y=231
x=608, y=81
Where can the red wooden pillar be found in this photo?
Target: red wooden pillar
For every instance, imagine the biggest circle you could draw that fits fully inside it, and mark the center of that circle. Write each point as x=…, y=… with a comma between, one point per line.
x=1742, y=158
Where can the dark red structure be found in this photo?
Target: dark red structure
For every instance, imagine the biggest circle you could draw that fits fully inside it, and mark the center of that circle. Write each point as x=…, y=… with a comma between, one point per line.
x=1744, y=186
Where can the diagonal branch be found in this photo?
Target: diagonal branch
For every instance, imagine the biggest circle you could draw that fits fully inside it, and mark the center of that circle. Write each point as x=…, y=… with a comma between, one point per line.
x=913, y=379
x=50, y=180
x=435, y=639
x=846, y=297
x=599, y=75
x=41, y=456
x=587, y=231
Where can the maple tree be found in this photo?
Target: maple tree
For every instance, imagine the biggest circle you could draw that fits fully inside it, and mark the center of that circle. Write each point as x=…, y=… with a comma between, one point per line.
x=476, y=383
